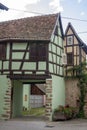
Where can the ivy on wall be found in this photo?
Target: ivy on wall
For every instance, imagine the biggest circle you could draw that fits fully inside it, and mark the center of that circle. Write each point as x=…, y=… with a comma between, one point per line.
x=82, y=84
x=81, y=74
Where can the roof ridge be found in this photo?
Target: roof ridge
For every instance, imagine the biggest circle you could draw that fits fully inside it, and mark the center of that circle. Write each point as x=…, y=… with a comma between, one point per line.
x=45, y=15
x=35, y=27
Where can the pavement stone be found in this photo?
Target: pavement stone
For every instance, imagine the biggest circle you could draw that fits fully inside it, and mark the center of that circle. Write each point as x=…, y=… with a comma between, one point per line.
x=19, y=124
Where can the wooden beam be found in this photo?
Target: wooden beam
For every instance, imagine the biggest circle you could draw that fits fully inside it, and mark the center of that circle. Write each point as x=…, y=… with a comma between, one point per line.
x=24, y=56
x=28, y=77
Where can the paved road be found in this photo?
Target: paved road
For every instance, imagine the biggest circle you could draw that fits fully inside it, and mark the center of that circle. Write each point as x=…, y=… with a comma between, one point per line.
x=43, y=125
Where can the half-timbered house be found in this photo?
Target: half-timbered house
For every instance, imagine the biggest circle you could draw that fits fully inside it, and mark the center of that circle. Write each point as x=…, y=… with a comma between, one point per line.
x=36, y=98
x=75, y=50
x=31, y=52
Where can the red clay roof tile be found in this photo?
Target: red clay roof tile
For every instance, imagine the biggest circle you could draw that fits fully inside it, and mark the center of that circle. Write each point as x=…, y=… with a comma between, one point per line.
x=31, y=28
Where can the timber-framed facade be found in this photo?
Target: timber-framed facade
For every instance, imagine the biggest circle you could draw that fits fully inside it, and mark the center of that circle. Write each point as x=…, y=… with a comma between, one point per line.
x=32, y=53
x=75, y=50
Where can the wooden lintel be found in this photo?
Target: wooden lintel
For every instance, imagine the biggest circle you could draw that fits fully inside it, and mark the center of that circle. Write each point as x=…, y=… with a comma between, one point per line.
x=27, y=77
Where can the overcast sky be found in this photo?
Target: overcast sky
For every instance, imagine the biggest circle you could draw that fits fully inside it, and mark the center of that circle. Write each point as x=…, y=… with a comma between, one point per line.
x=68, y=8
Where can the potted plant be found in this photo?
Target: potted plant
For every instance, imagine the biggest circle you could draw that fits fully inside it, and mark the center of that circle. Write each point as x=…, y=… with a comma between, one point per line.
x=64, y=113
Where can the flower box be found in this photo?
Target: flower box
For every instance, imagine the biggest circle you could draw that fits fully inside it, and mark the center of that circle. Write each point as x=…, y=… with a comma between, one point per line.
x=59, y=116
x=64, y=113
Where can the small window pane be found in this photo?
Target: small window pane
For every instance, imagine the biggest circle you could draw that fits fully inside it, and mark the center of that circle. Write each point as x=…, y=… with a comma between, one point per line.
x=69, y=58
x=56, y=31
x=69, y=40
x=2, y=51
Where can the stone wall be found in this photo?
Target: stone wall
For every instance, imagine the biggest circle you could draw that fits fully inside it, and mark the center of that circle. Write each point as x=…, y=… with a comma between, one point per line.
x=48, y=99
x=85, y=107
x=72, y=92
x=5, y=97
x=7, y=102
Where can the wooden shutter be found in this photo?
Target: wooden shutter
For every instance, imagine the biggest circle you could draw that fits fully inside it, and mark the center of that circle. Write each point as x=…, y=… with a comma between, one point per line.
x=41, y=52
x=38, y=52
x=33, y=52
x=2, y=51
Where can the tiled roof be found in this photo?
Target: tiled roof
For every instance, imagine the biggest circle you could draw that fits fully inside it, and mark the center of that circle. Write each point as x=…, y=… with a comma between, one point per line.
x=31, y=28
x=42, y=87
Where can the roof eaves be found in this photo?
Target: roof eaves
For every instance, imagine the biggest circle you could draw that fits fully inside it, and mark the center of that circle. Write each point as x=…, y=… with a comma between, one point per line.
x=61, y=25
x=81, y=43
x=3, y=7
x=24, y=40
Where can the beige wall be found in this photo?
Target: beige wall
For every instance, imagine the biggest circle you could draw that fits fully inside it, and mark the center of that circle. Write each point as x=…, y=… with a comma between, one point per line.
x=72, y=92
x=75, y=50
x=76, y=42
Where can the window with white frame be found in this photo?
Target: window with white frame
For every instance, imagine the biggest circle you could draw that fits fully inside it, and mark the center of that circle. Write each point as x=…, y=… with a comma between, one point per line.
x=69, y=40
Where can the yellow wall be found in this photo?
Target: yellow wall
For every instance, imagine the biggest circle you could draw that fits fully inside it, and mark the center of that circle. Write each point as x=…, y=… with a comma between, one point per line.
x=78, y=56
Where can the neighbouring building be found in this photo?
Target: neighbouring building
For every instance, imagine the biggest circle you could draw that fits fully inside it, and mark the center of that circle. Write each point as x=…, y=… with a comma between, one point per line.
x=34, y=96
x=31, y=53
x=75, y=50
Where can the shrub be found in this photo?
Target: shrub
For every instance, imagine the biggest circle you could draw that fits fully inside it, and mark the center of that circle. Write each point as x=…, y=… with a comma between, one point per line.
x=67, y=111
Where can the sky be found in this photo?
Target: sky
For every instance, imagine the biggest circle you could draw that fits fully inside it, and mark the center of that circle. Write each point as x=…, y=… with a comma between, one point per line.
x=70, y=11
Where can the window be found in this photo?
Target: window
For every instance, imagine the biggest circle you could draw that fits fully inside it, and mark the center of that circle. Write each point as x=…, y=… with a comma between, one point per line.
x=69, y=40
x=33, y=52
x=37, y=52
x=2, y=51
x=64, y=59
x=69, y=58
x=25, y=98
x=56, y=30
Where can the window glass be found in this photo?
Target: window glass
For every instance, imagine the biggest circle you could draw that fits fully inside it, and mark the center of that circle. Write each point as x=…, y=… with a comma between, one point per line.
x=69, y=40
x=56, y=30
x=69, y=58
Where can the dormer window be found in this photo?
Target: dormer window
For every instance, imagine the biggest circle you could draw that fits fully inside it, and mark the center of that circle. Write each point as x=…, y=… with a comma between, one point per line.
x=69, y=40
